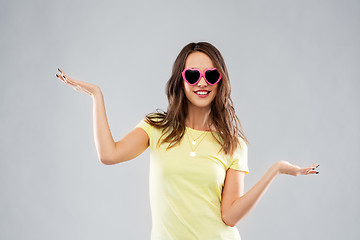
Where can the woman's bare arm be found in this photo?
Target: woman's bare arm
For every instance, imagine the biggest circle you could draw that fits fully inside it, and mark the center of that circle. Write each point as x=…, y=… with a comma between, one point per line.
x=130, y=146
x=104, y=141
x=109, y=152
x=235, y=206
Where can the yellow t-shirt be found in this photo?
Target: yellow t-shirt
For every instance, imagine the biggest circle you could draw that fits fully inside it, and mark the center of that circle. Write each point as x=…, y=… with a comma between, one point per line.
x=185, y=191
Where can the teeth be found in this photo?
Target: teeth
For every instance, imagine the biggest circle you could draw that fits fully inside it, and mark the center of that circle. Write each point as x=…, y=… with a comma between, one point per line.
x=202, y=93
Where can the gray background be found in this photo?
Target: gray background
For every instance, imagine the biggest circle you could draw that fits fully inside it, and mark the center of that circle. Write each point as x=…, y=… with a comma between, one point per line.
x=294, y=70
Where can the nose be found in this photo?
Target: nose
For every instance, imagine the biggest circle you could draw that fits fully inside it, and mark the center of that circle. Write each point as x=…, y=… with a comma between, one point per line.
x=202, y=82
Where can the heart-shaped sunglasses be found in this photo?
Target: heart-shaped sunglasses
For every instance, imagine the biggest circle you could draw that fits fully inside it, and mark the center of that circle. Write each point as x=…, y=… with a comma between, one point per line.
x=193, y=75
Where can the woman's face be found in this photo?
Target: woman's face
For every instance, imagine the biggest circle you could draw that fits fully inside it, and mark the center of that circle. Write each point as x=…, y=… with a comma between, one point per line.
x=200, y=61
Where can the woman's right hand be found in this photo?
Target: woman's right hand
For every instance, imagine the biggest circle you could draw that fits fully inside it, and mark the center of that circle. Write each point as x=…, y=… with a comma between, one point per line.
x=80, y=86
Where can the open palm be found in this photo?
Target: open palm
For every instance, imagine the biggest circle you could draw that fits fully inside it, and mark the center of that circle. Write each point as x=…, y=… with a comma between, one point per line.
x=80, y=86
x=285, y=167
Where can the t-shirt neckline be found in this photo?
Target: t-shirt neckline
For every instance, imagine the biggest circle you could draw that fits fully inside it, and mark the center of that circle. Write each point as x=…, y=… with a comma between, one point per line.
x=197, y=130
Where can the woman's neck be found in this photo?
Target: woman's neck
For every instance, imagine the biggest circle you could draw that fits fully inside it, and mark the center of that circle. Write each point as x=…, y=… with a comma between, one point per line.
x=198, y=118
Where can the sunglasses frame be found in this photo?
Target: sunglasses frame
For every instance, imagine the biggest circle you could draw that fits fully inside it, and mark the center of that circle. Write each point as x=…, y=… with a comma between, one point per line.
x=202, y=74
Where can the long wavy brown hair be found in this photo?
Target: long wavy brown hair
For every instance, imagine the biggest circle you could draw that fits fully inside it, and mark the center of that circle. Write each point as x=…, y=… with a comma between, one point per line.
x=222, y=114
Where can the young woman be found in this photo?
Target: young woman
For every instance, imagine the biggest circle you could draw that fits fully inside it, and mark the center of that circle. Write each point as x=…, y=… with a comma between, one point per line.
x=198, y=151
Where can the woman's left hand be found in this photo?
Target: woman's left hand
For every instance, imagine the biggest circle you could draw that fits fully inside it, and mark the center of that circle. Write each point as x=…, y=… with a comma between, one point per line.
x=284, y=167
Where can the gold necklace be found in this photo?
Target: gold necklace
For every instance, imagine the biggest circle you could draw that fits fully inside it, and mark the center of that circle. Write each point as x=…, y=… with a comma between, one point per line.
x=193, y=142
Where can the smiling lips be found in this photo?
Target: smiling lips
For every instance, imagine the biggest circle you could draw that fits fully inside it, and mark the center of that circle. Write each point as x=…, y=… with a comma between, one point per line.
x=202, y=93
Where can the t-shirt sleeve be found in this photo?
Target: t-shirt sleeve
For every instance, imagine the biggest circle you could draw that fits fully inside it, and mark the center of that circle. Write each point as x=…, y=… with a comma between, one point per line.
x=239, y=161
x=144, y=125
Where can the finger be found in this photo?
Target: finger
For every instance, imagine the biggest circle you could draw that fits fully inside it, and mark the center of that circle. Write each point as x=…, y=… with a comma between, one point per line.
x=61, y=78
x=312, y=167
x=64, y=79
x=308, y=170
x=63, y=74
x=70, y=81
x=315, y=166
x=312, y=172
x=305, y=171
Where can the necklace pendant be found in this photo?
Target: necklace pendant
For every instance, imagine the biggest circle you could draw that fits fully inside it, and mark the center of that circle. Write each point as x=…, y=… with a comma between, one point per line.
x=192, y=154
x=193, y=142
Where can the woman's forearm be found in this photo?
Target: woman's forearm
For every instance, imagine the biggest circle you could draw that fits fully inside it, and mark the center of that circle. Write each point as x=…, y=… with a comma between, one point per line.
x=243, y=205
x=104, y=141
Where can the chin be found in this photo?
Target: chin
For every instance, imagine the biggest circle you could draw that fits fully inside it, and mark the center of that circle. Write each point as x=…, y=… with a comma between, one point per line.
x=198, y=104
